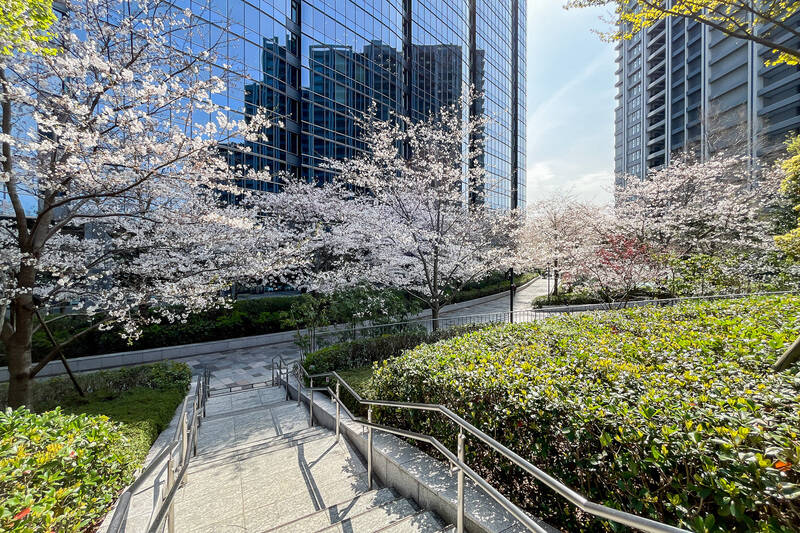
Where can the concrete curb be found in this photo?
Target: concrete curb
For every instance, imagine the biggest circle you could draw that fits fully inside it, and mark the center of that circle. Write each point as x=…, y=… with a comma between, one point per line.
x=152, y=355
x=416, y=475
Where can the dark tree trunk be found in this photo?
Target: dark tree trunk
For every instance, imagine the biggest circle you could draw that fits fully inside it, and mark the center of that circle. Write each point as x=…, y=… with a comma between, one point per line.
x=791, y=355
x=435, y=316
x=18, y=352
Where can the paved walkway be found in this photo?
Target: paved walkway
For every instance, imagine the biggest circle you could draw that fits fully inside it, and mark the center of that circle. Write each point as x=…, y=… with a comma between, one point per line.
x=522, y=300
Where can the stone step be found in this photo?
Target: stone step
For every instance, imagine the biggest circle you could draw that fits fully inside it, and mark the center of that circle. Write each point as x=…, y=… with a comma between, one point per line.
x=338, y=512
x=374, y=519
x=225, y=403
x=421, y=522
x=266, y=444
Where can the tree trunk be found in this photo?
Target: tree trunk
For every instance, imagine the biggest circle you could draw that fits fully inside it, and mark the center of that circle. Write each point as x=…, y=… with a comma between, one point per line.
x=18, y=352
x=791, y=355
x=435, y=316
x=555, y=278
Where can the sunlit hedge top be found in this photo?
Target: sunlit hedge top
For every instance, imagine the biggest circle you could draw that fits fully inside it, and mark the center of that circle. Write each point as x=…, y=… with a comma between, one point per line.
x=670, y=412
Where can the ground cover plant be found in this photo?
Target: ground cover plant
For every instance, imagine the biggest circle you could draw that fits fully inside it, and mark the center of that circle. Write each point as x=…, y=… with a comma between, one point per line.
x=672, y=413
x=63, y=465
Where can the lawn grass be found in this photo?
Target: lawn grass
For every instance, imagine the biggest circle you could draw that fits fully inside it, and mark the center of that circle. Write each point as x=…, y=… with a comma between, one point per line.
x=142, y=413
x=142, y=400
x=358, y=378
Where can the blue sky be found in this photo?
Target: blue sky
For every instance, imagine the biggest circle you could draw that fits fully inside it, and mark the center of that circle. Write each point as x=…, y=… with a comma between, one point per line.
x=570, y=103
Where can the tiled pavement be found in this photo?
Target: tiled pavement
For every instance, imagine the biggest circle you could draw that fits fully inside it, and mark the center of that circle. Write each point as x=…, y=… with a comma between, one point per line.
x=243, y=367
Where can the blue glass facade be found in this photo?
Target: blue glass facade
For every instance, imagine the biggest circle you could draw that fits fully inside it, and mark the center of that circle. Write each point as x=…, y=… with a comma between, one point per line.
x=317, y=64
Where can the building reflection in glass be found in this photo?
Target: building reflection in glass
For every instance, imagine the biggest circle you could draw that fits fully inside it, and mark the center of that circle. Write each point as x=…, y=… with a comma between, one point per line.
x=315, y=65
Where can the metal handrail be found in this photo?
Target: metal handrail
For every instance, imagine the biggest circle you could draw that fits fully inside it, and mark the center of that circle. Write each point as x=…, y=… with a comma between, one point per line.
x=185, y=434
x=575, y=498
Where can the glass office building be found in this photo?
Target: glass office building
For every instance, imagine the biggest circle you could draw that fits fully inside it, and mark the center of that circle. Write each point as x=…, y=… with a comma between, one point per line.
x=684, y=86
x=317, y=64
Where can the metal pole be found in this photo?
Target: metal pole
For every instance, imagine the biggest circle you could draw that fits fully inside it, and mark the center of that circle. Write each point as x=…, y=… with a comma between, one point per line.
x=184, y=438
x=311, y=409
x=338, y=410
x=287, y=383
x=170, y=483
x=511, y=291
x=460, y=510
x=369, y=449
x=194, y=440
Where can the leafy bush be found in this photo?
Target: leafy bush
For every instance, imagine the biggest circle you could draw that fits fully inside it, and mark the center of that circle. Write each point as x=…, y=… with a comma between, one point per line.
x=246, y=317
x=361, y=352
x=106, y=384
x=58, y=472
x=670, y=413
x=110, y=432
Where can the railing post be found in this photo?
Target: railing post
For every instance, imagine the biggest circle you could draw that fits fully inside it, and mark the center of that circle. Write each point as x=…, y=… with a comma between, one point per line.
x=369, y=449
x=184, y=438
x=460, y=510
x=287, y=383
x=311, y=409
x=299, y=377
x=170, y=483
x=196, y=431
x=338, y=410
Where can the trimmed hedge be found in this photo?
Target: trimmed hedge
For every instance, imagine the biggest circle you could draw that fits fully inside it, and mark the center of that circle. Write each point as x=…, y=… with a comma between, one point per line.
x=60, y=470
x=361, y=352
x=670, y=413
x=246, y=317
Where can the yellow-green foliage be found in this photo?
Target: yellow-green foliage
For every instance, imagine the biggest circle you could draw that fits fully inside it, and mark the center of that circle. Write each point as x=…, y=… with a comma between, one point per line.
x=671, y=413
x=25, y=26
x=60, y=470
x=790, y=242
x=742, y=19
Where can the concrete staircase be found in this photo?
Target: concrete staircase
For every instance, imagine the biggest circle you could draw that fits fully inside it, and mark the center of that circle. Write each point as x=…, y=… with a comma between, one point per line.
x=261, y=468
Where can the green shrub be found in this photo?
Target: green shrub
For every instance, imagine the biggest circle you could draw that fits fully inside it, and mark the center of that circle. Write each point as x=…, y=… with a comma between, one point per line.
x=58, y=472
x=106, y=384
x=493, y=284
x=110, y=430
x=670, y=413
x=361, y=352
x=246, y=317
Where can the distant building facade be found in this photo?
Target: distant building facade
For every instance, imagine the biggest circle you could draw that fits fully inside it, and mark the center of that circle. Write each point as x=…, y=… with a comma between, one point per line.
x=317, y=64
x=684, y=86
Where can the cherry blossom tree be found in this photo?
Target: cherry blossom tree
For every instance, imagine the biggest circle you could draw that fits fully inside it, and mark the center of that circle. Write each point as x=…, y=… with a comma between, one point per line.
x=617, y=265
x=561, y=232
x=430, y=229
x=115, y=164
x=718, y=208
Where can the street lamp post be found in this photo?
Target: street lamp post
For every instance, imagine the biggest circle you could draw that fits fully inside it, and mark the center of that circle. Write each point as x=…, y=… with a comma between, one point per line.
x=512, y=291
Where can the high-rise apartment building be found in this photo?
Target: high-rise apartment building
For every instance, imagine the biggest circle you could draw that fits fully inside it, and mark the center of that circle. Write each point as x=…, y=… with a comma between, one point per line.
x=684, y=86
x=318, y=64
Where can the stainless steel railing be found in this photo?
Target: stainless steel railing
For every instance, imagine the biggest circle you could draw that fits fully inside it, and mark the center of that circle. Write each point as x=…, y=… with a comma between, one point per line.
x=464, y=429
x=185, y=440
